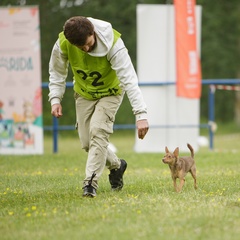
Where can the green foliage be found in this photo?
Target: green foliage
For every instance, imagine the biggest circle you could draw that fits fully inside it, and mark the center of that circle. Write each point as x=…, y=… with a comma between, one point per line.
x=40, y=196
x=219, y=46
x=220, y=52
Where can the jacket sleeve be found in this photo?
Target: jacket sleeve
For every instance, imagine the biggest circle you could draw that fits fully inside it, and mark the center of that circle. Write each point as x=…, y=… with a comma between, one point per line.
x=58, y=70
x=122, y=64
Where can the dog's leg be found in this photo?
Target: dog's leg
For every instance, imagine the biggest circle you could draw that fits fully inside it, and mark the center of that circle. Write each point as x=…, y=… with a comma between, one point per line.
x=193, y=173
x=182, y=181
x=175, y=183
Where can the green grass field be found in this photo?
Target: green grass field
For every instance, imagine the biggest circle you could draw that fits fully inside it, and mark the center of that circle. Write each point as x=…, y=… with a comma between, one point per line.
x=41, y=196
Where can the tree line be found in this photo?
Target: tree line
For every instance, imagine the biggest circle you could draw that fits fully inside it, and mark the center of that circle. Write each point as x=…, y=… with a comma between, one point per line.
x=220, y=48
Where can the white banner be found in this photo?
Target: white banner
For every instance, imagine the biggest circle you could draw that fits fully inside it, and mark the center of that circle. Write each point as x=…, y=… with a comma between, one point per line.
x=21, y=127
x=173, y=121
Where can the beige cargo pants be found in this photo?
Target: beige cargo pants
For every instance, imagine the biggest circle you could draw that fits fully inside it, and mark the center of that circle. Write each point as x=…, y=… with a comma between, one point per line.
x=95, y=119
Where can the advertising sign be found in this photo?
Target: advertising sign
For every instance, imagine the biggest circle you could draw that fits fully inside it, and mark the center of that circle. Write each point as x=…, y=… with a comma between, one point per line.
x=188, y=62
x=21, y=127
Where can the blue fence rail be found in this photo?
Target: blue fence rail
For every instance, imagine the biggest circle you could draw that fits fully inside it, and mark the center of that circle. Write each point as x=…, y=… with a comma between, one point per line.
x=211, y=111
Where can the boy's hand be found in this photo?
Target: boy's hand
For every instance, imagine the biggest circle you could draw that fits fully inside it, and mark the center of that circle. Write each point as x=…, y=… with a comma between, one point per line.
x=57, y=110
x=142, y=126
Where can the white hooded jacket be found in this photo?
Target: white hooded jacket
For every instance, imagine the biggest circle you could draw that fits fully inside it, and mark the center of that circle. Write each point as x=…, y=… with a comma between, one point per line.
x=120, y=61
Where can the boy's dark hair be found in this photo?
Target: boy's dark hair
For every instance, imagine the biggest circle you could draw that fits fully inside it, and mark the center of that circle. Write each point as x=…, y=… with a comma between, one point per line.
x=77, y=29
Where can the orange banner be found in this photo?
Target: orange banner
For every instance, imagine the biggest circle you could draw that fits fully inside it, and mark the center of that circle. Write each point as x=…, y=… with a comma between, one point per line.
x=188, y=65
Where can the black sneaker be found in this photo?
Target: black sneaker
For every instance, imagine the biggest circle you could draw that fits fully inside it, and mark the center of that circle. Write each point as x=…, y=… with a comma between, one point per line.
x=116, y=176
x=89, y=191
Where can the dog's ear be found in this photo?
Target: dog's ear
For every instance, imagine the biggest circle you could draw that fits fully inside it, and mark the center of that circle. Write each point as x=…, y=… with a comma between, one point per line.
x=176, y=152
x=166, y=150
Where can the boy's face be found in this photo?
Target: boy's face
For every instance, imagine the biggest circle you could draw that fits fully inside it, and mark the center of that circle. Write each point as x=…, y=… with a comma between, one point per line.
x=89, y=45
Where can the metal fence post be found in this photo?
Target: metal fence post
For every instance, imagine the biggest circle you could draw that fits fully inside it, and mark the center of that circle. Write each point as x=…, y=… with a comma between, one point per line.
x=55, y=135
x=211, y=114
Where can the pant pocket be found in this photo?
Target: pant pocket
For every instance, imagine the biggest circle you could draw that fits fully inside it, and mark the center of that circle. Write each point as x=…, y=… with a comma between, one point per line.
x=103, y=120
x=76, y=95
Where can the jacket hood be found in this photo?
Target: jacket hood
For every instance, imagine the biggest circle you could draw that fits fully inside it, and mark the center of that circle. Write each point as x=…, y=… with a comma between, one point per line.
x=104, y=37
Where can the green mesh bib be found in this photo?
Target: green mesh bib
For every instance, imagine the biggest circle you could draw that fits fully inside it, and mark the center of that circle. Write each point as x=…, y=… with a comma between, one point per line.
x=93, y=76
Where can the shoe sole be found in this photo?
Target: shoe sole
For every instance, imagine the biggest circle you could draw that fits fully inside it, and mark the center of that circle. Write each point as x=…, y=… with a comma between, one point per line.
x=89, y=195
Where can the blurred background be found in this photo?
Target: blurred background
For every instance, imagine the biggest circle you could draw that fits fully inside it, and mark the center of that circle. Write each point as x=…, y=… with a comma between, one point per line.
x=220, y=48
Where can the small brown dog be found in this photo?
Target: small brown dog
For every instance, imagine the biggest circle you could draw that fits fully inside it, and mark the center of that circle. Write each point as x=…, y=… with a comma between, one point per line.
x=180, y=166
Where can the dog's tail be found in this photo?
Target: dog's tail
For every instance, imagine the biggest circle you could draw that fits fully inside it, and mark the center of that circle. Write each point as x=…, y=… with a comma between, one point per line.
x=191, y=149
